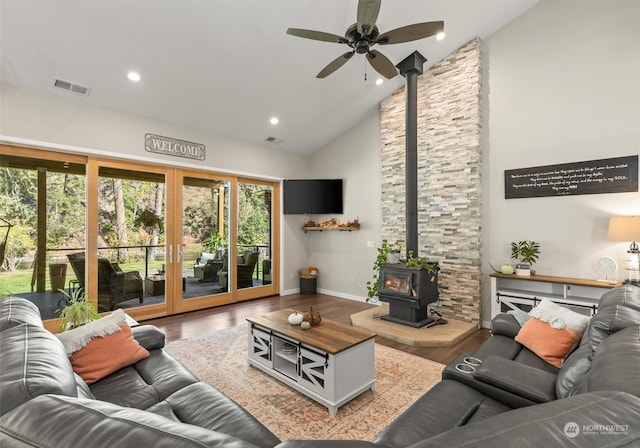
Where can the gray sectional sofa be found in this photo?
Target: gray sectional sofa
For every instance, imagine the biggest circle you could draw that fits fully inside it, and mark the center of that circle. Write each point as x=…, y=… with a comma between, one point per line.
x=513, y=398
x=154, y=403
x=501, y=395
x=514, y=395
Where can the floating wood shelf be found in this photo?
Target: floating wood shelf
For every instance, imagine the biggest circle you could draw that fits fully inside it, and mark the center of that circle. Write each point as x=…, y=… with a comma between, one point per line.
x=320, y=229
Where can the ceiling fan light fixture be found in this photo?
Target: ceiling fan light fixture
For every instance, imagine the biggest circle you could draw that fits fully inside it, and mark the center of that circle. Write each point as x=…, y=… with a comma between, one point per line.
x=379, y=81
x=364, y=34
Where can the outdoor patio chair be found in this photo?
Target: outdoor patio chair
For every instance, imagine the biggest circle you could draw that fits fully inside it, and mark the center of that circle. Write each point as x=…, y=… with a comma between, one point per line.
x=246, y=265
x=207, y=266
x=114, y=285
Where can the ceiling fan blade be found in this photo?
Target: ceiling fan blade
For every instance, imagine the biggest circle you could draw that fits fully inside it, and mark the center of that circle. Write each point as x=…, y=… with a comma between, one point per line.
x=335, y=65
x=410, y=32
x=367, y=15
x=317, y=35
x=382, y=64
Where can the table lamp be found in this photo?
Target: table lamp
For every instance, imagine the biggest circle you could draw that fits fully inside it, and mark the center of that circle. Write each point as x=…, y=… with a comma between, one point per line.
x=627, y=228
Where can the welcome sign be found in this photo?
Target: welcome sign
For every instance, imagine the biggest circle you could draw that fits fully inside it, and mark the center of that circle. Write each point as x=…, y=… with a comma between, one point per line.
x=174, y=147
x=615, y=175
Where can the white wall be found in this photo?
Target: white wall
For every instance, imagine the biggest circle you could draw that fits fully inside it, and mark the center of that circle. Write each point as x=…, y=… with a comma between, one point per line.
x=343, y=259
x=61, y=119
x=561, y=86
x=57, y=120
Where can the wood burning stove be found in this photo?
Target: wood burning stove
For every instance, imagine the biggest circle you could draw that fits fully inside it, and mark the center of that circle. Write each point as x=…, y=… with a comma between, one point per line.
x=408, y=290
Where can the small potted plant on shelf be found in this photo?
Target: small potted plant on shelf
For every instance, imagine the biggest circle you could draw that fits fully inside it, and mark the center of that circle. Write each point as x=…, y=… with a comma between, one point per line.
x=527, y=253
x=77, y=310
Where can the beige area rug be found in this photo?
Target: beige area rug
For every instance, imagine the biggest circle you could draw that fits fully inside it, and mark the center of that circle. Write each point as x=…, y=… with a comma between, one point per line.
x=220, y=359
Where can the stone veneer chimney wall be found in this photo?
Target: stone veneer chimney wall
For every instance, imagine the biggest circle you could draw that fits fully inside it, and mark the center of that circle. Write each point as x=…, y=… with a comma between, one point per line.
x=449, y=181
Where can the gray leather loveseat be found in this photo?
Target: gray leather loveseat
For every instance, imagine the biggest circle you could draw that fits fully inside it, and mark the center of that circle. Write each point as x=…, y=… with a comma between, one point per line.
x=155, y=402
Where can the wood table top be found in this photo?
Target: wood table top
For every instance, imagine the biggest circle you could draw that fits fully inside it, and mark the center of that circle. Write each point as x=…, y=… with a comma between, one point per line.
x=559, y=280
x=329, y=336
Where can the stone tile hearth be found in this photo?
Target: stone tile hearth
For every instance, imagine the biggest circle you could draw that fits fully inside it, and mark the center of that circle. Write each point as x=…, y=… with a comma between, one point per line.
x=445, y=335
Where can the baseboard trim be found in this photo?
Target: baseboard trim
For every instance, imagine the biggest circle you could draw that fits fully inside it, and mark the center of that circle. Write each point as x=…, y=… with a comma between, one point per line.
x=288, y=292
x=342, y=295
x=328, y=292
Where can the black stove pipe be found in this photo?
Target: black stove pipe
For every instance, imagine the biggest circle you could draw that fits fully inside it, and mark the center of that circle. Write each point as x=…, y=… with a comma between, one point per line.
x=410, y=68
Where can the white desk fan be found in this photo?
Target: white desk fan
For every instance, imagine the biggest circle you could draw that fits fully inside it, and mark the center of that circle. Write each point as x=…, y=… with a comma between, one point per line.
x=606, y=266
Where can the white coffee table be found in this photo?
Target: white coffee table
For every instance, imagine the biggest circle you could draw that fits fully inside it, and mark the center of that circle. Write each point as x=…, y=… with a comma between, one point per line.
x=331, y=363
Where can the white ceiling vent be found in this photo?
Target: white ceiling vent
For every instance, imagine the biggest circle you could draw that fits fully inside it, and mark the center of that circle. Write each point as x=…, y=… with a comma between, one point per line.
x=71, y=87
x=275, y=140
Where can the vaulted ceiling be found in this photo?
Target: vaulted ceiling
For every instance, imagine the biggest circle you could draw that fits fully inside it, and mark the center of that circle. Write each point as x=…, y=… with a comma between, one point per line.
x=225, y=66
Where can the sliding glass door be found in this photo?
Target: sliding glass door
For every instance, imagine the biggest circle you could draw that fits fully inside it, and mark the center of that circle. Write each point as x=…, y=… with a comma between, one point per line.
x=151, y=239
x=204, y=240
x=42, y=222
x=227, y=238
x=256, y=258
x=132, y=254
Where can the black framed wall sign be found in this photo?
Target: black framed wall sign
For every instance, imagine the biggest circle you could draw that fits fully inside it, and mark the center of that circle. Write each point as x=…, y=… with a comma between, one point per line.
x=614, y=175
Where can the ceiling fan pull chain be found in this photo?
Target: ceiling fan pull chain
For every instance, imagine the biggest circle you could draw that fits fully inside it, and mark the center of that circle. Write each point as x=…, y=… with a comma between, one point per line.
x=365, y=69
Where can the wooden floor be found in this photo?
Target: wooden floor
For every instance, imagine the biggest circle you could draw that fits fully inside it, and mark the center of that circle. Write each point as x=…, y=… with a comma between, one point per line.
x=198, y=322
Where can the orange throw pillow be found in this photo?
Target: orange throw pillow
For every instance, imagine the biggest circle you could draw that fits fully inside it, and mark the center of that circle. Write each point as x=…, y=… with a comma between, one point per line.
x=551, y=344
x=106, y=354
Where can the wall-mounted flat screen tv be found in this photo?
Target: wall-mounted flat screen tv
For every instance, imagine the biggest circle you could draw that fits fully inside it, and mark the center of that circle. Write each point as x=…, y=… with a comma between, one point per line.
x=312, y=196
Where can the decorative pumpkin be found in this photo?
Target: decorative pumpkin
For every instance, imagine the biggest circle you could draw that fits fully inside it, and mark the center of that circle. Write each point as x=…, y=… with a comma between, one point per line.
x=305, y=325
x=506, y=269
x=295, y=318
x=313, y=317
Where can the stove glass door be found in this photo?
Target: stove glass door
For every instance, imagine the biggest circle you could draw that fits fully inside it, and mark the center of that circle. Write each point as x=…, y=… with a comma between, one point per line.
x=396, y=283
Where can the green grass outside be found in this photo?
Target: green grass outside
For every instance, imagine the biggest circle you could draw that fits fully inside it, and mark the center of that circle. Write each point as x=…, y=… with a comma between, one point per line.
x=19, y=281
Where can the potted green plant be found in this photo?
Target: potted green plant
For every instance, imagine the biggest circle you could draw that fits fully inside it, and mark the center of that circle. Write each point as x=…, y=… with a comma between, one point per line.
x=419, y=262
x=213, y=243
x=77, y=310
x=148, y=220
x=383, y=256
x=527, y=253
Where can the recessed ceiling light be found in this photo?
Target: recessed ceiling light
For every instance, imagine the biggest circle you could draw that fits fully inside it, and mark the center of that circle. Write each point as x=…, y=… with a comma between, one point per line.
x=133, y=76
x=379, y=81
x=440, y=36
x=274, y=120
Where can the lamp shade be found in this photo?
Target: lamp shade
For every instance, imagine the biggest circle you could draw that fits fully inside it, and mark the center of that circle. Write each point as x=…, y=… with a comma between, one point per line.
x=624, y=228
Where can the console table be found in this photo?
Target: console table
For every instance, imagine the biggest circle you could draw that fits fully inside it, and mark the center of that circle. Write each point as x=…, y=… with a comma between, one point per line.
x=331, y=363
x=513, y=291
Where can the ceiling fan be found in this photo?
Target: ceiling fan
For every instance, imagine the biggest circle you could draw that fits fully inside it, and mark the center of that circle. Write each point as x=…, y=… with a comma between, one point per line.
x=364, y=34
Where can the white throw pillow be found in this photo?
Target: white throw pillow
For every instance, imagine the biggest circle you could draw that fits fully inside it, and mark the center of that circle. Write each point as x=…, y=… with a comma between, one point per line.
x=74, y=340
x=559, y=317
